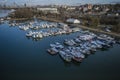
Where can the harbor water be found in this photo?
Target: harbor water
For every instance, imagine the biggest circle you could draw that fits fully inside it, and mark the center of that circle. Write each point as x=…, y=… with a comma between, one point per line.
x=22, y=58
x=4, y=13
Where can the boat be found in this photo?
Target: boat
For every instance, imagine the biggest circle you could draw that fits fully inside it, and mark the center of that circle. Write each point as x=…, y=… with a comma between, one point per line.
x=76, y=54
x=96, y=44
x=65, y=56
x=57, y=45
x=118, y=41
x=23, y=27
x=69, y=42
x=29, y=34
x=52, y=51
x=77, y=40
x=77, y=59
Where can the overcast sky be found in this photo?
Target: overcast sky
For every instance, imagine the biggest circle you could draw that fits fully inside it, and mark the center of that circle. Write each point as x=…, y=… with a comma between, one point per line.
x=38, y=2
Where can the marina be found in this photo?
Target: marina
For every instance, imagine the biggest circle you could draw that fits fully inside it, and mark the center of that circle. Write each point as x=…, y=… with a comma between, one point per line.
x=85, y=43
x=44, y=53
x=18, y=53
x=39, y=29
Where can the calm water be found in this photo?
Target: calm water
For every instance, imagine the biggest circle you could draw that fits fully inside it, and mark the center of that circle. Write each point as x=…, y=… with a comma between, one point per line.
x=25, y=59
x=4, y=13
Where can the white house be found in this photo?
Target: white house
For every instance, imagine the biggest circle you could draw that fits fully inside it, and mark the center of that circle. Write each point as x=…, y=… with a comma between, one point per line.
x=71, y=8
x=71, y=20
x=47, y=9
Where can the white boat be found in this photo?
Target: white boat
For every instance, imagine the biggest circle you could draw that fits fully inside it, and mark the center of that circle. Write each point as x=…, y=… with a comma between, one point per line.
x=57, y=46
x=65, y=56
x=29, y=34
x=77, y=54
x=69, y=42
x=52, y=51
x=77, y=40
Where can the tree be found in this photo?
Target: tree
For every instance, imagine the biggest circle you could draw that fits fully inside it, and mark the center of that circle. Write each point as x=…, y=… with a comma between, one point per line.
x=116, y=28
x=95, y=21
x=23, y=13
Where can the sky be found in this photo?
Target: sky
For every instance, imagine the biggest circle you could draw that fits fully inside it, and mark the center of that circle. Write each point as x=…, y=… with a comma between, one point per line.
x=47, y=2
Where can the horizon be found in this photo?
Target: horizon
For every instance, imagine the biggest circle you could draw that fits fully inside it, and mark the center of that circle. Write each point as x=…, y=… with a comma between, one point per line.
x=56, y=2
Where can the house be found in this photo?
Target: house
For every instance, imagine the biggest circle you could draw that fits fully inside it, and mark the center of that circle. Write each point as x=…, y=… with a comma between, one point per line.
x=71, y=20
x=48, y=10
x=89, y=6
x=85, y=9
x=71, y=8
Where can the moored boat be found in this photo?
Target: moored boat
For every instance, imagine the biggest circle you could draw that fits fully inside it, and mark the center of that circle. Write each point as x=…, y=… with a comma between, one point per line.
x=65, y=56
x=52, y=51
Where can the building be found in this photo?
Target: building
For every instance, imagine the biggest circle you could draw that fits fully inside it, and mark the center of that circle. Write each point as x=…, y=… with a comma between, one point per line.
x=71, y=8
x=85, y=9
x=63, y=26
x=71, y=20
x=89, y=6
x=48, y=10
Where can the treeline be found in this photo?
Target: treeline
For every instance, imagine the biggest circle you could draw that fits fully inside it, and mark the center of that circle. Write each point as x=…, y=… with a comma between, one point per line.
x=109, y=20
x=90, y=21
x=116, y=28
x=87, y=20
x=23, y=13
x=94, y=21
x=30, y=13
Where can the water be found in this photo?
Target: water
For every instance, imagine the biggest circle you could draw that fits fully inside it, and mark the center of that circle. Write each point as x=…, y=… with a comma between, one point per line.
x=4, y=13
x=24, y=59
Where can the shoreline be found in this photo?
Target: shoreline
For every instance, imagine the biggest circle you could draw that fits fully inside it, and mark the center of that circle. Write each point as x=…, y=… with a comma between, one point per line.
x=50, y=19
x=42, y=18
x=76, y=25
x=97, y=30
x=17, y=19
